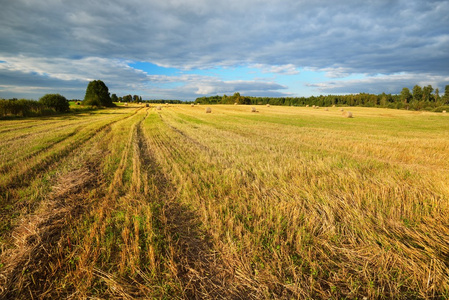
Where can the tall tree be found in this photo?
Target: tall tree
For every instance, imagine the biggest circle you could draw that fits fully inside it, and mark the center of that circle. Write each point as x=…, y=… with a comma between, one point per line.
x=445, y=97
x=427, y=93
x=417, y=93
x=97, y=94
x=236, y=97
x=406, y=96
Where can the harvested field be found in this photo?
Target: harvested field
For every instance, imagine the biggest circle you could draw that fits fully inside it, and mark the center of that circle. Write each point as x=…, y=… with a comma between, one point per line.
x=289, y=203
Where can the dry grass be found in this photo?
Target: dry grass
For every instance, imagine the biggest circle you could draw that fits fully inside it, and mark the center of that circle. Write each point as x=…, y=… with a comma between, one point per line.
x=291, y=203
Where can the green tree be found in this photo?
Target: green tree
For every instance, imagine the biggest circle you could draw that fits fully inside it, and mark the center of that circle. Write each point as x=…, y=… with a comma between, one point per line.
x=417, y=93
x=97, y=94
x=56, y=102
x=427, y=93
x=127, y=98
x=114, y=98
x=406, y=96
x=237, y=98
x=445, y=97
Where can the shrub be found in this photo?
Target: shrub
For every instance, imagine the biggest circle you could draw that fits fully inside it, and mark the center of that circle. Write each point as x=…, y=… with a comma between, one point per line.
x=55, y=101
x=20, y=108
x=441, y=108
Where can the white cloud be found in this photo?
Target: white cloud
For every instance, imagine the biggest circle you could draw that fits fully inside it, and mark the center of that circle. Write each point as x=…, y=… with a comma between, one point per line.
x=385, y=83
x=82, y=40
x=287, y=69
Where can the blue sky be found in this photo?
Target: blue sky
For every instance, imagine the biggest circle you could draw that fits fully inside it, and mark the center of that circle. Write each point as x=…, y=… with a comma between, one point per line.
x=175, y=49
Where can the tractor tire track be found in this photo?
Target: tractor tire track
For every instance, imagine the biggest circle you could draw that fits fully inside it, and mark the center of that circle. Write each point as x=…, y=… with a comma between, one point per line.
x=201, y=273
x=24, y=179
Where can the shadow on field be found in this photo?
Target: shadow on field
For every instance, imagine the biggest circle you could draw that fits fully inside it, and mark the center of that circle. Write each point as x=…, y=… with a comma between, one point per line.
x=198, y=267
x=41, y=240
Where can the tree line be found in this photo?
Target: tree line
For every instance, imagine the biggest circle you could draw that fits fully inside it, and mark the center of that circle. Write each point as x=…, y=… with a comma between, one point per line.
x=97, y=95
x=420, y=98
x=47, y=105
x=138, y=99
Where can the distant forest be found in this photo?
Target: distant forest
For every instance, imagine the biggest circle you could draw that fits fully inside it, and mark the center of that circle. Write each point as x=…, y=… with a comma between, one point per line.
x=420, y=98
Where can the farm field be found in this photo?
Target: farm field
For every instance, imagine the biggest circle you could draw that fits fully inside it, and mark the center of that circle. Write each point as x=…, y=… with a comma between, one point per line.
x=285, y=203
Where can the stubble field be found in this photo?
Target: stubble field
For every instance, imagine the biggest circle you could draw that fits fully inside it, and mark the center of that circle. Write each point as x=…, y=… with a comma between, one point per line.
x=288, y=202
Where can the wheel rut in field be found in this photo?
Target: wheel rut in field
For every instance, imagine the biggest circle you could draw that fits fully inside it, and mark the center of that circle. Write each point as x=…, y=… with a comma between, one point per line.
x=40, y=241
x=23, y=179
x=198, y=267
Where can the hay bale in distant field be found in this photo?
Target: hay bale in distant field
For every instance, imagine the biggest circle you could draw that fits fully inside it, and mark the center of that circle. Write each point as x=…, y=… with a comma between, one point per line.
x=341, y=109
x=235, y=103
x=192, y=105
x=317, y=107
x=326, y=109
x=347, y=114
x=159, y=108
x=333, y=105
x=126, y=104
x=253, y=109
x=208, y=110
x=313, y=106
x=268, y=105
x=147, y=105
x=444, y=111
x=307, y=105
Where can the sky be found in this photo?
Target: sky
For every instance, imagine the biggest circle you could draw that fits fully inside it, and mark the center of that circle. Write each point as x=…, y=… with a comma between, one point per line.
x=174, y=49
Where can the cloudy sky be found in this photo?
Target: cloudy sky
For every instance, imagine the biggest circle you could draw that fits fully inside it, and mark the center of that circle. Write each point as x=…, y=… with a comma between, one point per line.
x=184, y=49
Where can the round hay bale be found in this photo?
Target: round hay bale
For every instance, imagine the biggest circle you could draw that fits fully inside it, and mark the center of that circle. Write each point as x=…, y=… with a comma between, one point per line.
x=268, y=105
x=444, y=111
x=208, y=110
x=341, y=109
x=313, y=106
x=192, y=105
x=326, y=109
x=347, y=114
x=235, y=103
x=307, y=105
x=158, y=108
x=126, y=103
x=253, y=109
x=333, y=105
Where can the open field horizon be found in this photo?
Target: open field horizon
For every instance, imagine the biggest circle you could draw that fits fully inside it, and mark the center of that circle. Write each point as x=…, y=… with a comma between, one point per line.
x=289, y=202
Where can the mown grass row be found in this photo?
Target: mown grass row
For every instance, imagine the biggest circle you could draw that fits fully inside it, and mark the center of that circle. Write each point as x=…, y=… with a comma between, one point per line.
x=300, y=211
x=285, y=203
x=29, y=166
